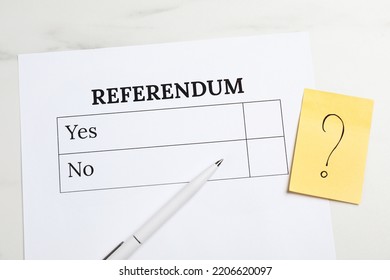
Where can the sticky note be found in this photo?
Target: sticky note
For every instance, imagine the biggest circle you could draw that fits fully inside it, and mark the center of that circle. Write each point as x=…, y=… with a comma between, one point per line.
x=331, y=146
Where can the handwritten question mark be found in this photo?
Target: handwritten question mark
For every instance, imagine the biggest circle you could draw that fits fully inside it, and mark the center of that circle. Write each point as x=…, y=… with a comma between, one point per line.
x=323, y=173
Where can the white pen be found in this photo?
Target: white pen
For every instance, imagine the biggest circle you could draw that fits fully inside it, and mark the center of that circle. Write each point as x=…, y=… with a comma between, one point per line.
x=126, y=248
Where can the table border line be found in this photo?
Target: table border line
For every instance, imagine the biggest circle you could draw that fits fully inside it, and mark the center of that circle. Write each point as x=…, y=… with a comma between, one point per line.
x=168, y=184
x=246, y=140
x=169, y=145
x=170, y=108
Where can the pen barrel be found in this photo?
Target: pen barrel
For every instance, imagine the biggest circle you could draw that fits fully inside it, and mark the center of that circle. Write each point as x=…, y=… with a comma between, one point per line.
x=174, y=204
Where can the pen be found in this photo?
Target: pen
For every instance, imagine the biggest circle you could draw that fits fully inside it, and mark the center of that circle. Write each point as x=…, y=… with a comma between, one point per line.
x=126, y=248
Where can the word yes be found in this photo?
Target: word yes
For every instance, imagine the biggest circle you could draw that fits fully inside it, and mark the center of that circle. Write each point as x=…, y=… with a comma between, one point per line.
x=82, y=132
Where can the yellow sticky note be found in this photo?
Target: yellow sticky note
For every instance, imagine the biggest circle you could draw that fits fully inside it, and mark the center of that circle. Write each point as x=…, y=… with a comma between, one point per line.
x=331, y=146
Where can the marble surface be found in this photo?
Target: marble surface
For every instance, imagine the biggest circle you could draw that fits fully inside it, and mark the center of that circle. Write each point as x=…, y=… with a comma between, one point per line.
x=350, y=43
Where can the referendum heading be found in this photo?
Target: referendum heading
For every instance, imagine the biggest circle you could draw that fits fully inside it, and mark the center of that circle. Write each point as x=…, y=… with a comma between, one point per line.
x=166, y=91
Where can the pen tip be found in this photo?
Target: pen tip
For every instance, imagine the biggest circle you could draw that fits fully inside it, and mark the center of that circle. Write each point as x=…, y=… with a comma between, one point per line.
x=218, y=163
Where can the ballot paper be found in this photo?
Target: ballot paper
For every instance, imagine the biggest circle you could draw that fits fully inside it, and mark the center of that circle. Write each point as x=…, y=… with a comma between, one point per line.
x=109, y=135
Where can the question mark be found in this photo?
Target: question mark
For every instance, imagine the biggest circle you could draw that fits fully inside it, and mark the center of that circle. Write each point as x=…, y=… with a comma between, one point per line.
x=323, y=173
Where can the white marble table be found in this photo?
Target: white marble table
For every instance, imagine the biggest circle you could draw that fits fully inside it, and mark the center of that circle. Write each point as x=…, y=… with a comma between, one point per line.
x=350, y=43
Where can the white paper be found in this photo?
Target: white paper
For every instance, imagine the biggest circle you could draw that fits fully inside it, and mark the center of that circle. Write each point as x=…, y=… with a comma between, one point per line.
x=95, y=168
